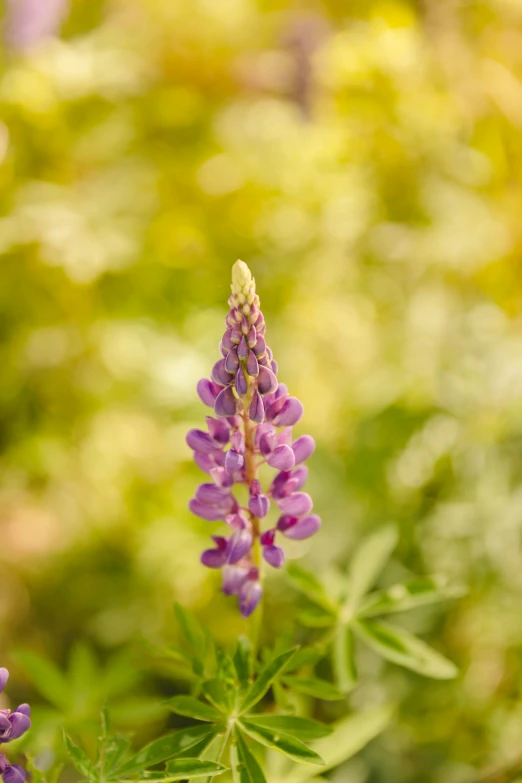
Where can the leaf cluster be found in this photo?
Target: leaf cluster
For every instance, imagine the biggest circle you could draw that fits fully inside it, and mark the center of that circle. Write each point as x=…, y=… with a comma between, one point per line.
x=355, y=612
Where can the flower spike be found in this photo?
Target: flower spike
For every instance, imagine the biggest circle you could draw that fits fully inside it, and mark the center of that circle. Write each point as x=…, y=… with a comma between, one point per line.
x=254, y=419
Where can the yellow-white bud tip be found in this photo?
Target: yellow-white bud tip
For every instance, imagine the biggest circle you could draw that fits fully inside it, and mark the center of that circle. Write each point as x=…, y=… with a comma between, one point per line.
x=242, y=278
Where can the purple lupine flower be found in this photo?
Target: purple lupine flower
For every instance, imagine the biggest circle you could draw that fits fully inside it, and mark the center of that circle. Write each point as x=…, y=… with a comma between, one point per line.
x=11, y=773
x=12, y=726
x=252, y=425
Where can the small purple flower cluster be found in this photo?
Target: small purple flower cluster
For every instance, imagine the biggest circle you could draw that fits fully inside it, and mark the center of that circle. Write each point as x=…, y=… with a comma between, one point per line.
x=255, y=415
x=12, y=726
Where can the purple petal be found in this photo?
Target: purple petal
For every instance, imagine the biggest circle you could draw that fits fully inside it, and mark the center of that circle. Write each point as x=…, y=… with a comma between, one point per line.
x=252, y=365
x=252, y=337
x=282, y=458
x=297, y=504
x=14, y=774
x=282, y=391
x=238, y=442
x=226, y=342
x=274, y=365
x=290, y=414
x=221, y=478
x=213, y=558
x=274, y=406
x=210, y=513
x=201, y=442
x=285, y=436
x=267, y=443
x=285, y=522
x=299, y=475
x=4, y=721
x=218, y=430
x=259, y=506
x=263, y=429
x=249, y=597
x=242, y=350
x=225, y=404
x=236, y=521
x=232, y=361
x=205, y=389
x=238, y=546
x=256, y=411
x=235, y=335
x=233, y=461
x=303, y=448
x=241, y=383
x=274, y=556
x=278, y=488
x=211, y=495
x=4, y=676
x=287, y=482
x=19, y=725
x=266, y=381
x=303, y=528
x=233, y=578
x=219, y=373
x=267, y=538
x=24, y=709
x=205, y=462
x=260, y=346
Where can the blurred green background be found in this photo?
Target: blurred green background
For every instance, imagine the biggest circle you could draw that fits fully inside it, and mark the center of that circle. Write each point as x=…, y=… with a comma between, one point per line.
x=364, y=158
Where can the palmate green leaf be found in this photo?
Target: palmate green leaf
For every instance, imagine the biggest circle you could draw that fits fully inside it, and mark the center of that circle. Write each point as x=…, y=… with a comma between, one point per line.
x=218, y=694
x=243, y=660
x=311, y=686
x=226, y=671
x=80, y=759
x=214, y=751
x=245, y=766
x=115, y=749
x=314, y=616
x=37, y=775
x=166, y=748
x=46, y=677
x=401, y=647
x=309, y=585
x=82, y=677
x=275, y=740
x=349, y=736
x=191, y=631
x=265, y=679
x=401, y=598
x=305, y=656
x=193, y=708
x=186, y=769
x=199, y=750
x=294, y=726
x=344, y=659
x=367, y=562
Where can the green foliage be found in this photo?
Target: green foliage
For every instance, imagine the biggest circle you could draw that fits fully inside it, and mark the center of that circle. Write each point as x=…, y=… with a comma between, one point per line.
x=177, y=744
x=352, y=612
